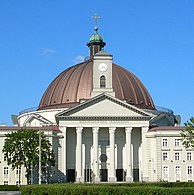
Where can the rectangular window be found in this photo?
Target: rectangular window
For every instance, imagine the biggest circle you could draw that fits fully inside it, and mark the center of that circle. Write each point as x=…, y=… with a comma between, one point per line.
x=165, y=170
x=6, y=171
x=18, y=170
x=189, y=170
x=165, y=142
x=177, y=142
x=165, y=156
x=5, y=182
x=176, y=156
x=189, y=156
x=177, y=170
x=4, y=157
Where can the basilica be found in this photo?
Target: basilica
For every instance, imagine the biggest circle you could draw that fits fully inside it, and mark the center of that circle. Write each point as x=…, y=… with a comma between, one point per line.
x=104, y=127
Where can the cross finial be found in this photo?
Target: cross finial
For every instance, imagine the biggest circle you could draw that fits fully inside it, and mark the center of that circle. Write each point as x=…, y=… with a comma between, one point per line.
x=96, y=17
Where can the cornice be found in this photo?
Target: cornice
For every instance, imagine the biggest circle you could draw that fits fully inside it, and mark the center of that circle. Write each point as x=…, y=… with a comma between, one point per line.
x=98, y=99
x=105, y=118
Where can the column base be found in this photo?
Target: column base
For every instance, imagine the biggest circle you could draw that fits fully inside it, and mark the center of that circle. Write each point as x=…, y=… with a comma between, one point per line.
x=79, y=180
x=129, y=179
x=97, y=179
x=145, y=179
x=112, y=179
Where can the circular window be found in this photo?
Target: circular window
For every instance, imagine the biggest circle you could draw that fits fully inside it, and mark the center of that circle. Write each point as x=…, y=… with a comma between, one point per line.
x=103, y=158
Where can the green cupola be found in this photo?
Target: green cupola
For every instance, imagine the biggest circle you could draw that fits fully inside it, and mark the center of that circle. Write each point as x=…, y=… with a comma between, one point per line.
x=96, y=42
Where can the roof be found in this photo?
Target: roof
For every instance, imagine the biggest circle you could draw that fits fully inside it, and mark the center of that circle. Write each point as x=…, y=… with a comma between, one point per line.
x=73, y=85
x=16, y=128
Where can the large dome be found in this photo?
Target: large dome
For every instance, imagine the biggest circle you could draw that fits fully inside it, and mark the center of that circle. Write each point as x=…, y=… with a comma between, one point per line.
x=75, y=84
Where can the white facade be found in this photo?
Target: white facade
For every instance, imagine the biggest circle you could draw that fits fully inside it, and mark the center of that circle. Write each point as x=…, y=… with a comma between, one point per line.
x=116, y=145
x=105, y=139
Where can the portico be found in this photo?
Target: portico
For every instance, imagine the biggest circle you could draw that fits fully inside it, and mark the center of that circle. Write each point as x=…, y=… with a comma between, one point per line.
x=112, y=151
x=104, y=148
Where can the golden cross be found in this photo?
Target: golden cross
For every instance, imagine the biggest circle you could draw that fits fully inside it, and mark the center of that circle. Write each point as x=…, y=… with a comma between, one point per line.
x=95, y=17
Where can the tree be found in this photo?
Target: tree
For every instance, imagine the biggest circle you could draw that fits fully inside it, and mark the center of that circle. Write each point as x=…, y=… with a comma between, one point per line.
x=187, y=134
x=21, y=148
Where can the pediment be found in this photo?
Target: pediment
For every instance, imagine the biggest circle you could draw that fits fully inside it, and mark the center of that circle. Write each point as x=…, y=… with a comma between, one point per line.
x=103, y=105
x=162, y=120
x=35, y=120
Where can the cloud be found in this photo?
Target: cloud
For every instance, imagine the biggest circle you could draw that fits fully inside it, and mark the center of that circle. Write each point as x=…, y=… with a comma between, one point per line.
x=78, y=59
x=47, y=51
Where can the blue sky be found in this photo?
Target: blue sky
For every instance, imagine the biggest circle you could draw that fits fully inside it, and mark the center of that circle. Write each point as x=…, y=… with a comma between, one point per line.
x=153, y=39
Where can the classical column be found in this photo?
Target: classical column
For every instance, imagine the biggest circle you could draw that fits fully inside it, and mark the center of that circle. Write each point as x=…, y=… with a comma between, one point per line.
x=95, y=154
x=144, y=163
x=112, y=175
x=64, y=151
x=128, y=154
x=79, y=176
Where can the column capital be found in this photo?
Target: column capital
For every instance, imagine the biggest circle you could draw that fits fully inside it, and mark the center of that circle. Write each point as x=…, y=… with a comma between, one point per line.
x=145, y=129
x=95, y=129
x=112, y=129
x=128, y=129
x=63, y=129
x=79, y=129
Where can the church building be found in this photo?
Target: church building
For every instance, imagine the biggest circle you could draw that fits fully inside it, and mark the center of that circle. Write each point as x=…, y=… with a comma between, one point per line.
x=104, y=127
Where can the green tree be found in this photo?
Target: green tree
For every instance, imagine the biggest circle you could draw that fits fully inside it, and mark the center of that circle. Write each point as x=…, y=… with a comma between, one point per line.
x=21, y=148
x=187, y=134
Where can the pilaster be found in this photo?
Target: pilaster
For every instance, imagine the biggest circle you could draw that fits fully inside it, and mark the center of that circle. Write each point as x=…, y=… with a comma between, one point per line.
x=64, y=151
x=112, y=171
x=129, y=177
x=79, y=175
x=95, y=154
x=144, y=163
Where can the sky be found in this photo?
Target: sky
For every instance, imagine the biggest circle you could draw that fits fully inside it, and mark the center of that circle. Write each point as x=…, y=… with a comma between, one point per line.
x=153, y=39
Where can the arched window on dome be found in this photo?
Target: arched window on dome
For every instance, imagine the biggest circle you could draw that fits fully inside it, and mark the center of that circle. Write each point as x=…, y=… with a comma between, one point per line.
x=102, y=81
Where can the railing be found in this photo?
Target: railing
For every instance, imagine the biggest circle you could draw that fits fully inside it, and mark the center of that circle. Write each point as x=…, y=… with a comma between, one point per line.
x=28, y=110
x=158, y=108
x=162, y=109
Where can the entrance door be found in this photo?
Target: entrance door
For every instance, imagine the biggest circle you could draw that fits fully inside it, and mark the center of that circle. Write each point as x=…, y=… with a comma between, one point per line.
x=104, y=174
x=70, y=175
x=119, y=174
x=135, y=174
x=87, y=174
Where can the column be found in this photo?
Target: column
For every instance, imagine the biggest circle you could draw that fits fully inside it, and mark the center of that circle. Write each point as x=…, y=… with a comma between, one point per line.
x=64, y=152
x=95, y=154
x=144, y=163
x=112, y=175
x=128, y=154
x=79, y=177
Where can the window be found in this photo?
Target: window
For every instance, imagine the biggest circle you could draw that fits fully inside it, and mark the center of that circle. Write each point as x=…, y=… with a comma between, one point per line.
x=176, y=156
x=165, y=156
x=177, y=142
x=18, y=170
x=5, y=171
x=189, y=170
x=165, y=142
x=5, y=182
x=102, y=81
x=165, y=170
x=4, y=157
x=177, y=170
x=189, y=157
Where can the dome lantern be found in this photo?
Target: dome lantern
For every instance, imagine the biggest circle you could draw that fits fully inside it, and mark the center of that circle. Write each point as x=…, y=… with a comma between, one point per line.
x=96, y=42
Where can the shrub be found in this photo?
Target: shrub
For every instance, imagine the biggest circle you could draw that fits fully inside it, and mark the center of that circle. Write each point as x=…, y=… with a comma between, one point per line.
x=161, y=188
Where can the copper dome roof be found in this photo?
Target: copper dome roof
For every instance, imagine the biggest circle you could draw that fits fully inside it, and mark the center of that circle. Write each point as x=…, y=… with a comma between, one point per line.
x=75, y=84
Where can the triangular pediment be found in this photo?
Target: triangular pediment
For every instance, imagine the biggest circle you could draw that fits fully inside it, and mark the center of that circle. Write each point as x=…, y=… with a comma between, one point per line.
x=162, y=120
x=103, y=105
x=35, y=119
